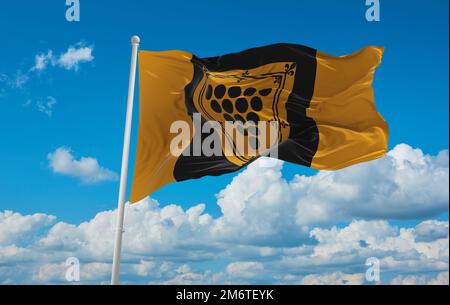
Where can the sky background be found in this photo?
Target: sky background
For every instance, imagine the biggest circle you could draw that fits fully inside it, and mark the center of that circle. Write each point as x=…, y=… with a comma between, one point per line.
x=71, y=104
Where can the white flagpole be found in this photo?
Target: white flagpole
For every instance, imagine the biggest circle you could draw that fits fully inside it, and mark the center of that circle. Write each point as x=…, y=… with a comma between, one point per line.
x=124, y=171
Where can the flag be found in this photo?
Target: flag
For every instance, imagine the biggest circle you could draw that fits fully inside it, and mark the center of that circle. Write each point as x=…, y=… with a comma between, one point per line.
x=319, y=110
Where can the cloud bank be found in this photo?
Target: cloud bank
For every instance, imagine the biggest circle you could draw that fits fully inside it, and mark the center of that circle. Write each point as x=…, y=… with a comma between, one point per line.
x=311, y=230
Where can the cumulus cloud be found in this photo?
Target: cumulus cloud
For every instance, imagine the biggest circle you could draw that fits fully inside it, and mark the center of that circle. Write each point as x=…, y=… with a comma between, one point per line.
x=335, y=278
x=431, y=229
x=87, y=169
x=406, y=184
x=259, y=237
x=396, y=248
x=14, y=227
x=69, y=60
x=161, y=243
x=245, y=270
x=442, y=278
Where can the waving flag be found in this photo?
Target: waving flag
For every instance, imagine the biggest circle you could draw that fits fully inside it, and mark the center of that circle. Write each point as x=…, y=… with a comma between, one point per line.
x=323, y=107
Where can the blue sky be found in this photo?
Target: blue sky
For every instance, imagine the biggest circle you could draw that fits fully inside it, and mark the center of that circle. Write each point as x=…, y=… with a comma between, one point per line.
x=411, y=85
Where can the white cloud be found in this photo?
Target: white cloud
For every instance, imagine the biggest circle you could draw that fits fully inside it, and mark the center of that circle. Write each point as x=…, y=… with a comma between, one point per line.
x=68, y=60
x=245, y=270
x=161, y=243
x=259, y=237
x=71, y=59
x=86, y=168
x=14, y=227
x=406, y=184
x=19, y=79
x=42, y=60
x=46, y=106
x=396, y=248
x=441, y=278
x=430, y=230
x=184, y=275
x=335, y=278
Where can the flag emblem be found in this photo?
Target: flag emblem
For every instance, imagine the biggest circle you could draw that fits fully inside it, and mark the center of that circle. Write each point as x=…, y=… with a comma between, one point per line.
x=247, y=97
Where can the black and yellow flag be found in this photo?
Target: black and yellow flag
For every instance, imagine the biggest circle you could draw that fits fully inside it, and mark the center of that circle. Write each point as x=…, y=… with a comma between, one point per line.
x=323, y=106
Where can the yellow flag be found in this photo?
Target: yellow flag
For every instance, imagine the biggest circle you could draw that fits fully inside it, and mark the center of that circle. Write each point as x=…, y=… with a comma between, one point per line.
x=286, y=101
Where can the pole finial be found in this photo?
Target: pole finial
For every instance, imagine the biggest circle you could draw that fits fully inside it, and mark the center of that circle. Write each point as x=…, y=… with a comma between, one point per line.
x=135, y=39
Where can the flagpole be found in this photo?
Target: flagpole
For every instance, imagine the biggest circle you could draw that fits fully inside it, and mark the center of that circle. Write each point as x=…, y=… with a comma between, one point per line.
x=124, y=170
